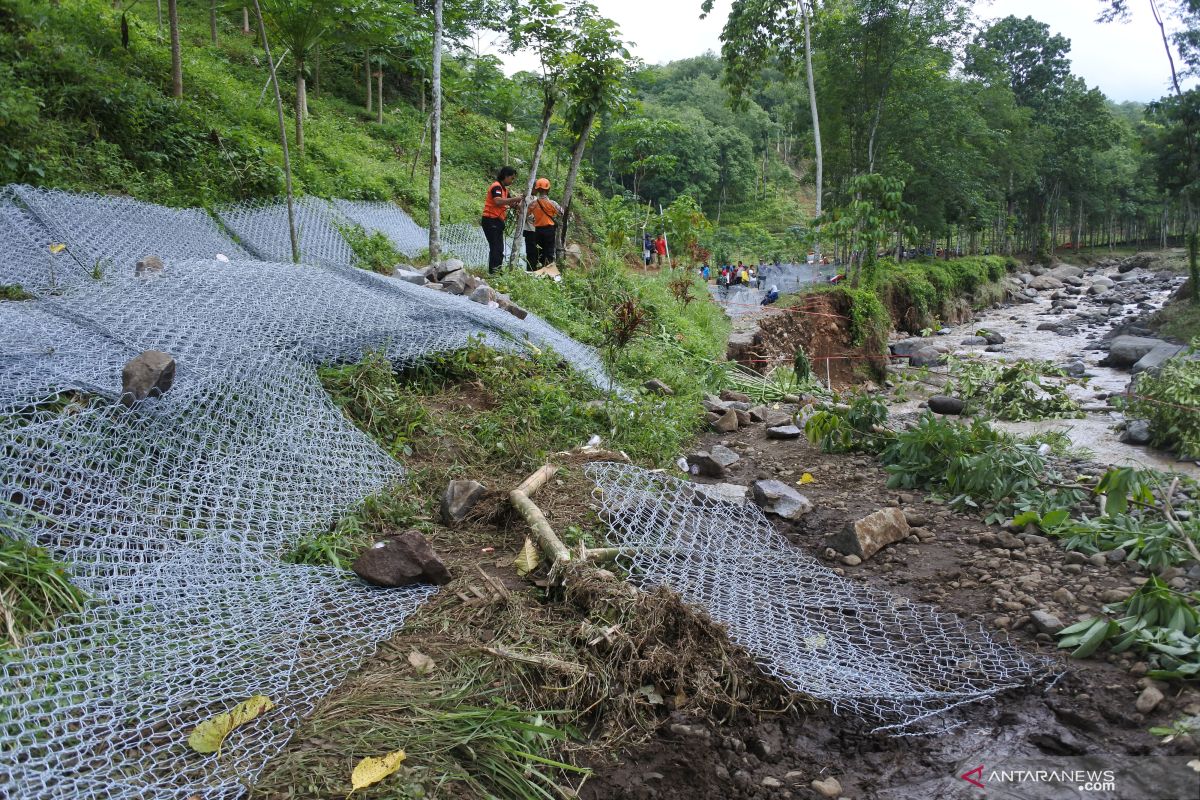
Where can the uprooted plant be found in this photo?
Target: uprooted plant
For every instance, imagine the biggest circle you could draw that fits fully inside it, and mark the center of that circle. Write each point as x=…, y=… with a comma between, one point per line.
x=1013, y=391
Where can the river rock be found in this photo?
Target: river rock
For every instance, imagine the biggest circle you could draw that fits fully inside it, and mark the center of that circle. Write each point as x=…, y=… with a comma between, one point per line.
x=735, y=397
x=1045, y=282
x=1149, y=699
x=1136, y=432
x=993, y=337
x=1125, y=351
x=150, y=265
x=148, y=375
x=411, y=276
x=445, y=268
x=1153, y=361
x=1140, y=261
x=784, y=432
x=1045, y=622
x=867, y=536
x=827, y=787
x=973, y=341
x=401, y=560
x=658, y=387
x=1064, y=271
x=458, y=500
x=726, y=423
x=776, y=497
x=941, y=404
x=712, y=463
x=926, y=357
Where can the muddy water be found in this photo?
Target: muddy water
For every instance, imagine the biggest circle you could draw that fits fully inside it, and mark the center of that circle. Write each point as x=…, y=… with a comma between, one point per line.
x=1097, y=431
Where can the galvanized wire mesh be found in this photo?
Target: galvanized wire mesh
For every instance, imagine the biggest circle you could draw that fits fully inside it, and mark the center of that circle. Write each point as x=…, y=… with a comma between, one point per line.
x=175, y=514
x=867, y=652
x=262, y=227
x=406, y=235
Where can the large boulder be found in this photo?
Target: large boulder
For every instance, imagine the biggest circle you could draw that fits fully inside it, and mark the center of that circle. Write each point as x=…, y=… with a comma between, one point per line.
x=447, y=267
x=458, y=500
x=148, y=375
x=908, y=347
x=1125, y=351
x=869, y=535
x=941, y=404
x=1136, y=432
x=973, y=341
x=455, y=282
x=926, y=357
x=1064, y=271
x=401, y=560
x=1153, y=361
x=712, y=463
x=776, y=497
x=1140, y=261
x=1045, y=282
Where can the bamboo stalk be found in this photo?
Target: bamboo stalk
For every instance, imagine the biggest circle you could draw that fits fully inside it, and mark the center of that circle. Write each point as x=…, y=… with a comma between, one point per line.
x=537, y=480
x=551, y=545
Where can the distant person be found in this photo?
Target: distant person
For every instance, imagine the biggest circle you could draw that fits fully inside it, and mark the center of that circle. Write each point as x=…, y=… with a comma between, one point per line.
x=772, y=295
x=660, y=248
x=836, y=279
x=546, y=215
x=495, y=212
x=529, y=235
x=647, y=248
x=704, y=272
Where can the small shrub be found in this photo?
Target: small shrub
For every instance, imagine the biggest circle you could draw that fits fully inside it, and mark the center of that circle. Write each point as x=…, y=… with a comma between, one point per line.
x=1169, y=401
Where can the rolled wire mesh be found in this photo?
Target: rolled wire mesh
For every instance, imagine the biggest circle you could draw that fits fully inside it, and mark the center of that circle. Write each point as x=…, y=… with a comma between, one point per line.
x=262, y=227
x=869, y=653
x=374, y=217
x=175, y=514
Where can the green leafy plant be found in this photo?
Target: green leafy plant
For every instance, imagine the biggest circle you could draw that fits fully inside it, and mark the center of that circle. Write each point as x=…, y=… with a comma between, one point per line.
x=1169, y=401
x=779, y=385
x=14, y=292
x=372, y=251
x=1012, y=392
x=34, y=588
x=857, y=427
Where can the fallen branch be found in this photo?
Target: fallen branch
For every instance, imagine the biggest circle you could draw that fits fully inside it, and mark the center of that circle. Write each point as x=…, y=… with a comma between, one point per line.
x=548, y=662
x=537, y=480
x=551, y=545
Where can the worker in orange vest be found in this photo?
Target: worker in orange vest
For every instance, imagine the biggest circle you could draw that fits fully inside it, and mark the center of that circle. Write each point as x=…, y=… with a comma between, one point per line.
x=495, y=212
x=546, y=216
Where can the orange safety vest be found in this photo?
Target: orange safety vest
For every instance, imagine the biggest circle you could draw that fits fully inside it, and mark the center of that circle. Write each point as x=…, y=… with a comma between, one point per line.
x=492, y=209
x=544, y=213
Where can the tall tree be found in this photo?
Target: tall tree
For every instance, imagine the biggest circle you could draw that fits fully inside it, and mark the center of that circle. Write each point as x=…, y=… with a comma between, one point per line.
x=283, y=142
x=299, y=24
x=176, y=55
x=435, y=141
x=545, y=27
x=597, y=69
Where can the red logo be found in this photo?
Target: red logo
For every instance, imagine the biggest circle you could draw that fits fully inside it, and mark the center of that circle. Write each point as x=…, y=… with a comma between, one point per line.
x=978, y=773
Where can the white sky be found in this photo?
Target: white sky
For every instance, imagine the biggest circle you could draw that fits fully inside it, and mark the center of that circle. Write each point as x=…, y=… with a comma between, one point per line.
x=1126, y=61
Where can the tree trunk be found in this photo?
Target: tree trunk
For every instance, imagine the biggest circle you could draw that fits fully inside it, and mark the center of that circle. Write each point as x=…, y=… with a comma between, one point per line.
x=212, y=20
x=379, y=94
x=505, y=143
x=547, y=113
x=301, y=103
x=176, y=58
x=317, y=71
x=435, y=141
x=287, y=163
x=812, y=106
x=572, y=175
x=158, y=14
x=245, y=20
x=367, y=62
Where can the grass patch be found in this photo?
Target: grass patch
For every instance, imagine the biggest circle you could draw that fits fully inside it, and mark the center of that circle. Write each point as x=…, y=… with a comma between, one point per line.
x=372, y=251
x=922, y=293
x=1179, y=319
x=14, y=292
x=34, y=588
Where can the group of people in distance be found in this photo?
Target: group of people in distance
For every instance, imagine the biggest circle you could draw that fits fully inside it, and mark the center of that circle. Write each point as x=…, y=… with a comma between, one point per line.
x=654, y=250
x=742, y=275
x=542, y=218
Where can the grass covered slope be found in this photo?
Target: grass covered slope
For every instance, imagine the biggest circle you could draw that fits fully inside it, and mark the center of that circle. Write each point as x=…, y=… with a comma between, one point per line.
x=80, y=112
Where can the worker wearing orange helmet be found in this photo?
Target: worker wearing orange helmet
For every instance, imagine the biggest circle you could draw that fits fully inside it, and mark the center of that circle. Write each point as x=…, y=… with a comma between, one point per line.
x=547, y=215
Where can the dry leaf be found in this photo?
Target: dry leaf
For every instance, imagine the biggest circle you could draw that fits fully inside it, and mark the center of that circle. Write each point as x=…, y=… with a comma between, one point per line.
x=528, y=559
x=210, y=734
x=372, y=770
x=422, y=663
x=650, y=692
x=806, y=478
x=57, y=248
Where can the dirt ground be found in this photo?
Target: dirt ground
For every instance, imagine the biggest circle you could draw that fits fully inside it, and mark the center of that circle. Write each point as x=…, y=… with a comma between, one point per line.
x=1088, y=711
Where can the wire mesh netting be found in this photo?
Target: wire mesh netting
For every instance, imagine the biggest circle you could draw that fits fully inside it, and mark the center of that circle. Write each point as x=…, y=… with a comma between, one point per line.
x=867, y=652
x=374, y=217
x=175, y=514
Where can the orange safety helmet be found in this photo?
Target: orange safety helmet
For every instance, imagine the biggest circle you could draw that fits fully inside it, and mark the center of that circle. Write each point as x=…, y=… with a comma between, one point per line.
x=542, y=183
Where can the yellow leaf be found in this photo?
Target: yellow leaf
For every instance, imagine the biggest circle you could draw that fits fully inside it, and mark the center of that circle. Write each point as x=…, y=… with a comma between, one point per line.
x=210, y=734
x=422, y=663
x=372, y=770
x=806, y=478
x=528, y=559
x=57, y=248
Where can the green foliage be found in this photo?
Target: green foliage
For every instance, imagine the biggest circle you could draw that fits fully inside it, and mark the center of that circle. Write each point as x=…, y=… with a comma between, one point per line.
x=857, y=427
x=386, y=512
x=34, y=588
x=1169, y=401
x=369, y=394
x=1010, y=391
x=1156, y=621
x=14, y=292
x=972, y=465
x=373, y=251
x=778, y=385
x=923, y=291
